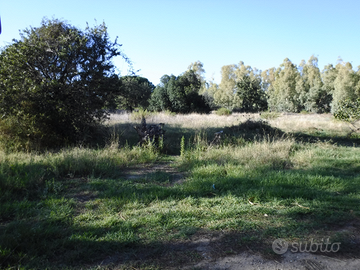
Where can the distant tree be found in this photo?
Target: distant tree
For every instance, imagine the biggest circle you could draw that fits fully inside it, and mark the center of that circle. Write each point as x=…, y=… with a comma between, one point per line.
x=198, y=68
x=225, y=94
x=253, y=98
x=268, y=79
x=345, y=85
x=284, y=95
x=309, y=86
x=135, y=92
x=55, y=82
x=179, y=94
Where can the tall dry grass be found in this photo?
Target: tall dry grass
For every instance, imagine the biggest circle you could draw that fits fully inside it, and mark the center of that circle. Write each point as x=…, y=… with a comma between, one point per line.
x=286, y=122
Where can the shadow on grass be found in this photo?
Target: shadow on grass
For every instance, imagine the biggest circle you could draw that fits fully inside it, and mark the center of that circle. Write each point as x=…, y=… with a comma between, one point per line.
x=246, y=131
x=338, y=140
x=235, y=135
x=298, y=204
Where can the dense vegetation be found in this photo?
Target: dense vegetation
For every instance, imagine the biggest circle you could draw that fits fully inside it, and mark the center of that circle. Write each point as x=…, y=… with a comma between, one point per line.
x=290, y=88
x=179, y=94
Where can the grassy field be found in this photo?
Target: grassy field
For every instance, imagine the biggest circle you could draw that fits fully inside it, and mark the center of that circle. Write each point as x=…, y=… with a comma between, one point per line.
x=272, y=176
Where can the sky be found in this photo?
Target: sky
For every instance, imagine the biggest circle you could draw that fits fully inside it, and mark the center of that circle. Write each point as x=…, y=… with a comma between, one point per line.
x=165, y=36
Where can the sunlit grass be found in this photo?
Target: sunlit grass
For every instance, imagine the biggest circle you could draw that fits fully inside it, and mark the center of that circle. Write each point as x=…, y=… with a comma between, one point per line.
x=76, y=207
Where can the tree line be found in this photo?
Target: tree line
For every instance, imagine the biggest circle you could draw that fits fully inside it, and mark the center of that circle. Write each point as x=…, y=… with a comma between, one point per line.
x=288, y=88
x=58, y=84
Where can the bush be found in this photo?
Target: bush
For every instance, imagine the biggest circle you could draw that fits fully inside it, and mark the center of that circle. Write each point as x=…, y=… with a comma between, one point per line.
x=179, y=94
x=223, y=111
x=348, y=110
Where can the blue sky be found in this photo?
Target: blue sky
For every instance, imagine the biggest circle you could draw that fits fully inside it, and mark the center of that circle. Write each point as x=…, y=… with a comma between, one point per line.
x=164, y=37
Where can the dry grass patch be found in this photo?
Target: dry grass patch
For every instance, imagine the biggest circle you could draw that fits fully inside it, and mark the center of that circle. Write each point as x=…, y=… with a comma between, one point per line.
x=310, y=123
x=193, y=120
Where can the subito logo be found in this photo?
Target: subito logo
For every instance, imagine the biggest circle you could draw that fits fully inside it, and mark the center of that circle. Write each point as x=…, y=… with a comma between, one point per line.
x=280, y=246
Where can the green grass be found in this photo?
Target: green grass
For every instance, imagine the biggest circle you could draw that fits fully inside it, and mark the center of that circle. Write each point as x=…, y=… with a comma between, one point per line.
x=79, y=207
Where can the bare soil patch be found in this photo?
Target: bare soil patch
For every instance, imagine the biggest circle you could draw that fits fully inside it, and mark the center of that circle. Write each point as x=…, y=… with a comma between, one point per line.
x=148, y=170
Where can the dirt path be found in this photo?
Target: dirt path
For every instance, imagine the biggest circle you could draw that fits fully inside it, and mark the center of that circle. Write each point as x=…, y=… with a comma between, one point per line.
x=289, y=260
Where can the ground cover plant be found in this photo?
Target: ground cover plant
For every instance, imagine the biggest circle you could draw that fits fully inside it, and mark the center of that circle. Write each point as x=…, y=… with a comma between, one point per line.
x=293, y=176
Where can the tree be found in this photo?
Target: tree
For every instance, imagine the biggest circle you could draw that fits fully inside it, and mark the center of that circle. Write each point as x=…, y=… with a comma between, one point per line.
x=55, y=82
x=225, y=94
x=312, y=96
x=135, y=92
x=198, y=68
x=345, y=85
x=179, y=94
x=252, y=96
x=284, y=95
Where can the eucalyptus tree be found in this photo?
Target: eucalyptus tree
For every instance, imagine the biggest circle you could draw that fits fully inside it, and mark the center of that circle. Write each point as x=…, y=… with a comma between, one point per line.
x=312, y=95
x=346, y=84
x=268, y=77
x=225, y=94
x=283, y=95
x=198, y=68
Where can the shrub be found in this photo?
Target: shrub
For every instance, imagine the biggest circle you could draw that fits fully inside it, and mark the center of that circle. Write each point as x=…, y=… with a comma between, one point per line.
x=348, y=110
x=223, y=111
x=269, y=115
x=140, y=114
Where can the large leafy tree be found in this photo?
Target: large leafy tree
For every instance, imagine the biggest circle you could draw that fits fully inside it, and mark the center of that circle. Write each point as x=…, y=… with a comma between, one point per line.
x=179, y=94
x=253, y=98
x=55, y=82
x=135, y=92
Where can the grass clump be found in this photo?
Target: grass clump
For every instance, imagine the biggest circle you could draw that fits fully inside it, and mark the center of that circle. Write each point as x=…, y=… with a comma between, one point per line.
x=140, y=114
x=269, y=115
x=223, y=111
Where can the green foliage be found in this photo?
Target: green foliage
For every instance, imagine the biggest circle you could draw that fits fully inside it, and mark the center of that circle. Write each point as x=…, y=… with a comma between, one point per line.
x=346, y=85
x=348, y=110
x=253, y=98
x=179, y=94
x=135, y=92
x=223, y=111
x=283, y=95
x=55, y=82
